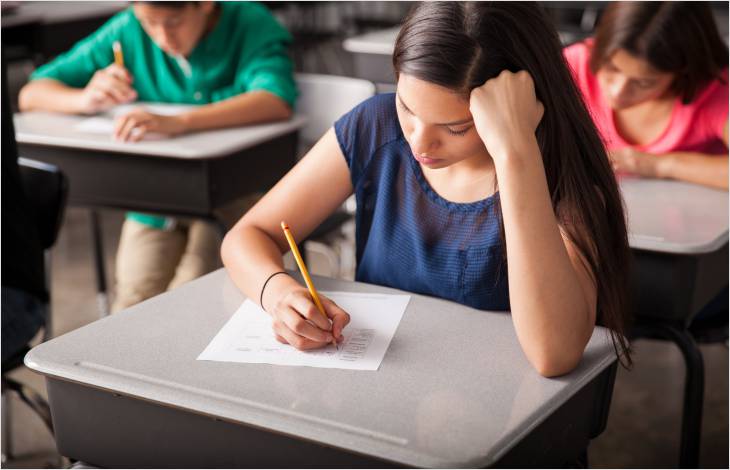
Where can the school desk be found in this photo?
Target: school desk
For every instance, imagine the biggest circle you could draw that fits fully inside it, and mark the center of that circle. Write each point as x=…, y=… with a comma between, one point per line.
x=190, y=175
x=372, y=54
x=678, y=233
x=42, y=30
x=454, y=390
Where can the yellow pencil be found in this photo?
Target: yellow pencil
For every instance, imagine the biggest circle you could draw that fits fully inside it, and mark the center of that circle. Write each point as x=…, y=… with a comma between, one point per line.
x=118, y=57
x=305, y=273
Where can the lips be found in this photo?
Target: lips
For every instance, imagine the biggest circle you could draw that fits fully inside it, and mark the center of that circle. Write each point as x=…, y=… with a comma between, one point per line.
x=425, y=160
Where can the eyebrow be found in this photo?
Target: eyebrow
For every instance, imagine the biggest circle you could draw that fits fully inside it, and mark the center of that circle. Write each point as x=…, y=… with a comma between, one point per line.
x=453, y=123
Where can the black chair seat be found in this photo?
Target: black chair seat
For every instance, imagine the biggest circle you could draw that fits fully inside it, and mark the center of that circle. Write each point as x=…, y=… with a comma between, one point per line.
x=15, y=361
x=710, y=330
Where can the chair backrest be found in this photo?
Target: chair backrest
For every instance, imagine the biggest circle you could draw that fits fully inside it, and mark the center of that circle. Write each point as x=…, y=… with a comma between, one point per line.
x=46, y=188
x=323, y=99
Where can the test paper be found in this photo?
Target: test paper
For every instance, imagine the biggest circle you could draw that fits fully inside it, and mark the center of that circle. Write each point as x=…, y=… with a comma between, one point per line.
x=248, y=337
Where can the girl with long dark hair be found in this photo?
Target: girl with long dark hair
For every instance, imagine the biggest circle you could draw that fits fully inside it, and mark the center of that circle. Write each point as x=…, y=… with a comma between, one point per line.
x=482, y=180
x=655, y=79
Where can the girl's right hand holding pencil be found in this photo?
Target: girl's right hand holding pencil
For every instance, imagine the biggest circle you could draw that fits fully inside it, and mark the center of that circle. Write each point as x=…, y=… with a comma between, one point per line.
x=108, y=87
x=296, y=319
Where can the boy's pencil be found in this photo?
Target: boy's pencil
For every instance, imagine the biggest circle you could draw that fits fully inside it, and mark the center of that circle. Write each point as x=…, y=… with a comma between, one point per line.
x=305, y=273
x=118, y=56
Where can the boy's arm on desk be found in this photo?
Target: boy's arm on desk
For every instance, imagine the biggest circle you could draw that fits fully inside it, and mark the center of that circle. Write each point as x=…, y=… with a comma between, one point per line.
x=49, y=95
x=108, y=87
x=248, y=108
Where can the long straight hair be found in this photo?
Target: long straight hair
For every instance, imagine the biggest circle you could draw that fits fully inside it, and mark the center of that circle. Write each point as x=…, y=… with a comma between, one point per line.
x=461, y=45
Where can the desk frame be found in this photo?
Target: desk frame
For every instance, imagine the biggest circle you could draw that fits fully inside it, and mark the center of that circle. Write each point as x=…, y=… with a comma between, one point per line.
x=127, y=181
x=81, y=411
x=660, y=281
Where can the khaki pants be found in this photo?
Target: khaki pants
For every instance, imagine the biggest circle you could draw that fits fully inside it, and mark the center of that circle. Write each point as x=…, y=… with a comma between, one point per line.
x=151, y=261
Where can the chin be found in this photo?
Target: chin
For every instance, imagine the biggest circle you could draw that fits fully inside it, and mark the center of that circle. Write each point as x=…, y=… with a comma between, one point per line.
x=437, y=165
x=175, y=52
x=619, y=105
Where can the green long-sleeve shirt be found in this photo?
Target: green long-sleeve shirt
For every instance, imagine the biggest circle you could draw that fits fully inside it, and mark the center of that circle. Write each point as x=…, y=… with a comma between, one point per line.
x=247, y=50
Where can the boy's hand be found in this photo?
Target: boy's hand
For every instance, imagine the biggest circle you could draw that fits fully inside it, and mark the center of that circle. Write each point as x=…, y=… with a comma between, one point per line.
x=133, y=126
x=108, y=87
x=298, y=322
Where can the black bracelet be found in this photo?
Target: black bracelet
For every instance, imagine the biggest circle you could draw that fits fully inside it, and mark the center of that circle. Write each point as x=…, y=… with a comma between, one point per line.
x=261, y=297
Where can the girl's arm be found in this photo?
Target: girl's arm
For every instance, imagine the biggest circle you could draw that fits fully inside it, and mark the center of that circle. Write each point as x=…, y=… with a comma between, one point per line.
x=695, y=167
x=252, y=250
x=552, y=293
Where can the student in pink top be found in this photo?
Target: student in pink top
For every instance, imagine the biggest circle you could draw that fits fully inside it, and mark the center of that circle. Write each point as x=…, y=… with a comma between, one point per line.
x=655, y=79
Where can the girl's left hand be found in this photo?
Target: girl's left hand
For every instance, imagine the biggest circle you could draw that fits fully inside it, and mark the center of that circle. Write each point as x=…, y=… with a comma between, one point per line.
x=133, y=125
x=506, y=112
x=628, y=160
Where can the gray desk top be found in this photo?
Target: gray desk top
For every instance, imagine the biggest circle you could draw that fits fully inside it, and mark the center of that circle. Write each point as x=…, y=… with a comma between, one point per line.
x=675, y=217
x=382, y=42
x=57, y=12
x=379, y=42
x=453, y=390
x=58, y=130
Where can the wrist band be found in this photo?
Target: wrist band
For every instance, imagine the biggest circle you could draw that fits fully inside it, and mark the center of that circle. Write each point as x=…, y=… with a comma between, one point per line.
x=261, y=297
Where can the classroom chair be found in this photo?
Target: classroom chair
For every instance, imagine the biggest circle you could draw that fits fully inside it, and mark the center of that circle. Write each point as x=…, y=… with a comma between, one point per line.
x=323, y=99
x=46, y=189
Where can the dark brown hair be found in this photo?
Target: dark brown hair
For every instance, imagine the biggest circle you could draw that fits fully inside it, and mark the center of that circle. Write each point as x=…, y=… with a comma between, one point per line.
x=462, y=45
x=170, y=4
x=676, y=37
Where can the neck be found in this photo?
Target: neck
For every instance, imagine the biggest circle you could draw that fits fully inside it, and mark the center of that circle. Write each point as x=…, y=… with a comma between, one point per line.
x=466, y=181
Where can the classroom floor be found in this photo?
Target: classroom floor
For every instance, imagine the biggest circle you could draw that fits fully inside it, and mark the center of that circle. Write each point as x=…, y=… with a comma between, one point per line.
x=643, y=426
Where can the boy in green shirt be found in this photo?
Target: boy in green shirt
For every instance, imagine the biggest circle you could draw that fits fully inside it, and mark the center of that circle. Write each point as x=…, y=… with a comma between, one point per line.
x=231, y=58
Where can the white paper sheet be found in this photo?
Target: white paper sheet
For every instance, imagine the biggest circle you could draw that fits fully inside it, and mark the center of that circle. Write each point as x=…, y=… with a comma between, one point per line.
x=247, y=336
x=104, y=123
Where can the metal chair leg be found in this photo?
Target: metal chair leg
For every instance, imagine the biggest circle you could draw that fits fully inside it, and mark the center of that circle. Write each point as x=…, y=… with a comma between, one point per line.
x=101, y=296
x=48, y=326
x=7, y=439
x=694, y=389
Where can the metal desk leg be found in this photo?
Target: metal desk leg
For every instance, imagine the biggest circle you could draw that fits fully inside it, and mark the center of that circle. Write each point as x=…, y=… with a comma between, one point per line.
x=694, y=389
x=7, y=439
x=101, y=296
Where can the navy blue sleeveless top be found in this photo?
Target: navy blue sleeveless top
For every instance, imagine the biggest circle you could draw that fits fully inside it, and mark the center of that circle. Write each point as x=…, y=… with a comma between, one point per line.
x=407, y=236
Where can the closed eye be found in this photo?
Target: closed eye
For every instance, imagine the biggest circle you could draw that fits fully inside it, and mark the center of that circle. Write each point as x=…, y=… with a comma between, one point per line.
x=460, y=132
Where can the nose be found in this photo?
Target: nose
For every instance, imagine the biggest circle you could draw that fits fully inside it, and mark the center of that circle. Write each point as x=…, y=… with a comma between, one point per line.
x=166, y=40
x=423, y=139
x=618, y=89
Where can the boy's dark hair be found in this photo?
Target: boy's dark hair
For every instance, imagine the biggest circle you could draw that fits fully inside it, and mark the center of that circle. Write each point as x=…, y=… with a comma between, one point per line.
x=167, y=4
x=461, y=45
x=677, y=37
